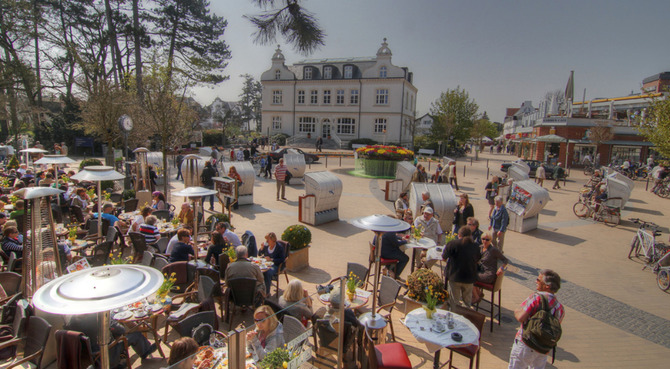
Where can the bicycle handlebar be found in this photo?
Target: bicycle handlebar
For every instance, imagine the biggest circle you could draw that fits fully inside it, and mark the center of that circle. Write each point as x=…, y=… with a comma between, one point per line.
x=643, y=223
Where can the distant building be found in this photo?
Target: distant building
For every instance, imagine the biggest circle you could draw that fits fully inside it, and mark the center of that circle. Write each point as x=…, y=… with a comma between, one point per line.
x=339, y=99
x=656, y=83
x=424, y=124
x=218, y=109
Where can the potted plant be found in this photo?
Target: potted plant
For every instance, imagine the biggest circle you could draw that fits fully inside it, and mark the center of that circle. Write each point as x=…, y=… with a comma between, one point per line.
x=424, y=284
x=298, y=237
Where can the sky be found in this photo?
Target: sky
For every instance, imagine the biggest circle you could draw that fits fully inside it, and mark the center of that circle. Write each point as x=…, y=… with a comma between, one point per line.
x=501, y=52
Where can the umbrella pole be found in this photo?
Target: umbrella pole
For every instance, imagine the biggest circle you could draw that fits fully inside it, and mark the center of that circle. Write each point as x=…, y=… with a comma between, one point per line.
x=195, y=230
x=100, y=213
x=103, y=337
x=378, y=252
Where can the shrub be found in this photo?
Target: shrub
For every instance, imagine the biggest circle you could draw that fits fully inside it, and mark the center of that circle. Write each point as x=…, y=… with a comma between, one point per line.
x=88, y=163
x=361, y=141
x=279, y=138
x=13, y=163
x=419, y=281
x=216, y=218
x=298, y=236
x=211, y=137
x=128, y=194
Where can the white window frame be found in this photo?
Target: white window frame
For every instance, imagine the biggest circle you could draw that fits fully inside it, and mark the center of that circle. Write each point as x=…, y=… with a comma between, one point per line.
x=276, y=124
x=348, y=71
x=306, y=125
x=314, y=97
x=301, y=97
x=308, y=73
x=382, y=96
x=326, y=97
x=328, y=72
x=277, y=74
x=346, y=126
x=383, y=72
x=339, y=98
x=380, y=126
x=277, y=97
x=354, y=97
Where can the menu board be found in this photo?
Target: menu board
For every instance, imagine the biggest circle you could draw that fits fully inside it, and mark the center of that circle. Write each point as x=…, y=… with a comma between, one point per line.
x=518, y=200
x=225, y=186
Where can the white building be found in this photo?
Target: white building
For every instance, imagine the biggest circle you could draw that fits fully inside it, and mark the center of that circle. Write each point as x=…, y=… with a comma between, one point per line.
x=424, y=124
x=340, y=99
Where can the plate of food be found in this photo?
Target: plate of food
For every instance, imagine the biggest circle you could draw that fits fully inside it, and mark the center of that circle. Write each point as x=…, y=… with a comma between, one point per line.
x=140, y=313
x=123, y=315
x=205, y=358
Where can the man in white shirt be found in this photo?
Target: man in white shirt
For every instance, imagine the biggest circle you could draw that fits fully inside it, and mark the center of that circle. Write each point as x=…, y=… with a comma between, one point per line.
x=228, y=235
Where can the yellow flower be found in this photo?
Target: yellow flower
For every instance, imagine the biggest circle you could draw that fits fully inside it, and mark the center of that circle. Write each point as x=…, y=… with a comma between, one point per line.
x=285, y=365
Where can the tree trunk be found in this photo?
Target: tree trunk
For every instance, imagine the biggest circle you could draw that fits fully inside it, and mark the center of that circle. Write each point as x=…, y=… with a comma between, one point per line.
x=37, y=54
x=117, y=67
x=138, y=50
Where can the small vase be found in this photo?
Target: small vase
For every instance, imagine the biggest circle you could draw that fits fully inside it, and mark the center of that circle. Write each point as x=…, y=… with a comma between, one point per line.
x=72, y=240
x=351, y=295
x=429, y=312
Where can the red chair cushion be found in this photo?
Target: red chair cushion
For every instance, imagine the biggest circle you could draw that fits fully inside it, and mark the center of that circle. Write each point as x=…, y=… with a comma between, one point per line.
x=392, y=356
x=388, y=261
x=485, y=286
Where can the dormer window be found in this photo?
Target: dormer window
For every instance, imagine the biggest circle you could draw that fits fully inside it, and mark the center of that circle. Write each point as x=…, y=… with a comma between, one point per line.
x=308, y=72
x=277, y=74
x=382, y=72
x=348, y=71
x=327, y=72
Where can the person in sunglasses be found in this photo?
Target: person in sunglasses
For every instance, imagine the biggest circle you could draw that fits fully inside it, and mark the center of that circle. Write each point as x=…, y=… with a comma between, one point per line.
x=268, y=335
x=488, y=270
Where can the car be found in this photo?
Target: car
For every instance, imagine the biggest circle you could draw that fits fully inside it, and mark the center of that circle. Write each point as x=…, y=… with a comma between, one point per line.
x=534, y=164
x=279, y=153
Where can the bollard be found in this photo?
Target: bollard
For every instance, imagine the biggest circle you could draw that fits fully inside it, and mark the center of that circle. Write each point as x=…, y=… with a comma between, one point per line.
x=470, y=161
x=429, y=161
x=326, y=161
x=647, y=187
x=487, y=173
x=487, y=163
x=340, y=161
x=463, y=170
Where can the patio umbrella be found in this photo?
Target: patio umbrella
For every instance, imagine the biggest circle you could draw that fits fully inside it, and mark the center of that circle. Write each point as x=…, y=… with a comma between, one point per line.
x=98, y=173
x=98, y=290
x=195, y=194
x=55, y=160
x=379, y=224
x=32, y=150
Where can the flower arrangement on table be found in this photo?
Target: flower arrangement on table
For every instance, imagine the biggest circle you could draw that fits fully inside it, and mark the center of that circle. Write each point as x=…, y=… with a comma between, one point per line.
x=382, y=152
x=175, y=221
x=91, y=193
x=450, y=236
x=13, y=199
x=417, y=232
x=118, y=259
x=230, y=251
x=106, y=195
x=4, y=182
x=298, y=236
x=422, y=281
x=431, y=301
x=278, y=358
x=352, y=283
x=72, y=233
x=167, y=285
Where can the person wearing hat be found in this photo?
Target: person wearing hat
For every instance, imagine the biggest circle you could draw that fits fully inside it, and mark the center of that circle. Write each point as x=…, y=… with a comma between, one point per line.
x=226, y=231
x=430, y=228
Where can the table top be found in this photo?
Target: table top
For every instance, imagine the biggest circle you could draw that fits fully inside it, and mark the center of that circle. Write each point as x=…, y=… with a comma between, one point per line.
x=360, y=299
x=423, y=243
x=428, y=331
x=434, y=253
x=261, y=262
x=137, y=312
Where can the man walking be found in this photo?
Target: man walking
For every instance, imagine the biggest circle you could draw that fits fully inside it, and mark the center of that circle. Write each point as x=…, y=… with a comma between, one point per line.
x=319, y=143
x=179, y=160
x=558, y=174
x=522, y=356
x=280, y=177
x=499, y=222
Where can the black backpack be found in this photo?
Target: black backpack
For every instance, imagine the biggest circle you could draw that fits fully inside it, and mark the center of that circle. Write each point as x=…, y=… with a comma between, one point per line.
x=543, y=330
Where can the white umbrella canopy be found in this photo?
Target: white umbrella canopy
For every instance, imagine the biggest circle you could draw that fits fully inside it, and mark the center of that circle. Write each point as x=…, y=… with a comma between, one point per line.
x=35, y=192
x=54, y=159
x=33, y=150
x=98, y=173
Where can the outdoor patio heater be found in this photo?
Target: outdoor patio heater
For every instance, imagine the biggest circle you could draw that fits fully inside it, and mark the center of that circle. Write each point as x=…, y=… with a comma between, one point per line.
x=141, y=172
x=191, y=169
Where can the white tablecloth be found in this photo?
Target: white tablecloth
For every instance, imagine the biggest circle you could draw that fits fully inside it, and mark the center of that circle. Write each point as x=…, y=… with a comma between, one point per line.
x=416, y=320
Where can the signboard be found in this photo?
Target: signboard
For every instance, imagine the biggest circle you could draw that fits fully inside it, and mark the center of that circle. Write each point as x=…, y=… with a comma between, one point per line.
x=83, y=141
x=225, y=186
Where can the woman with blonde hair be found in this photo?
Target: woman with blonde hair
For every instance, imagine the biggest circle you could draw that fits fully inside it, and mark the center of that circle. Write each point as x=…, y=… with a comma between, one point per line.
x=268, y=335
x=296, y=301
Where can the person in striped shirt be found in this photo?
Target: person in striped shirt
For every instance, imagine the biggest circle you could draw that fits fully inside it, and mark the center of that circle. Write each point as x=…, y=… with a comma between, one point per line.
x=280, y=176
x=149, y=230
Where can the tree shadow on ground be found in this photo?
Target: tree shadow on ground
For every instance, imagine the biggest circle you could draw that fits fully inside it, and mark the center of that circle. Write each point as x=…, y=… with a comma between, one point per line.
x=557, y=237
x=643, y=210
x=312, y=275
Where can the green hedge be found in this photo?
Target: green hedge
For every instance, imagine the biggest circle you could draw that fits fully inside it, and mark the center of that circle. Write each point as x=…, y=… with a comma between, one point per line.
x=90, y=162
x=279, y=138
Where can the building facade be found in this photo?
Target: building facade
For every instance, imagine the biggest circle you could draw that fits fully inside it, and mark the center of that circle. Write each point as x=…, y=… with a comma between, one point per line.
x=339, y=99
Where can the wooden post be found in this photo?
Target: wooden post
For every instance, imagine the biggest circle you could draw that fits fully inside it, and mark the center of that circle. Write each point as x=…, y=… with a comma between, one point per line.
x=340, y=161
x=464, y=171
x=326, y=161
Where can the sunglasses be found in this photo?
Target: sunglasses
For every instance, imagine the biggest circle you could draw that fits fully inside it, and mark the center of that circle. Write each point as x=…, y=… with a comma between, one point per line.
x=259, y=320
x=486, y=239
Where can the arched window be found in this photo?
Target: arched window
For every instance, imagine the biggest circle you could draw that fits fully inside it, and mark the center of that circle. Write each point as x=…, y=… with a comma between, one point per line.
x=382, y=72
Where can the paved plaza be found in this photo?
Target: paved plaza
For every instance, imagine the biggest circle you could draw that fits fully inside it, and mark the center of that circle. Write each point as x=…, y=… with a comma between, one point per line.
x=615, y=314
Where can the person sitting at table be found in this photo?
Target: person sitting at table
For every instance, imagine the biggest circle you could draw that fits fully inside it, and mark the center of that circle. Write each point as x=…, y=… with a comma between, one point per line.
x=268, y=335
x=158, y=201
x=149, y=230
x=225, y=229
x=477, y=233
x=182, y=251
x=242, y=267
x=18, y=210
x=333, y=316
x=3, y=219
x=296, y=301
x=186, y=214
x=273, y=251
x=175, y=239
x=107, y=210
x=488, y=271
x=80, y=199
x=408, y=216
x=391, y=250
x=11, y=242
x=88, y=325
x=215, y=248
x=139, y=219
x=182, y=353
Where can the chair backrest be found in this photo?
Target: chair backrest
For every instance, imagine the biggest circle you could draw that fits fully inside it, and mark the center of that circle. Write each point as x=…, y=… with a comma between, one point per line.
x=185, y=327
x=205, y=288
x=249, y=240
x=77, y=213
x=12, y=263
x=159, y=261
x=65, y=338
x=130, y=205
x=279, y=311
x=161, y=214
x=10, y=282
x=139, y=242
x=242, y=291
x=101, y=253
x=162, y=244
x=214, y=275
x=37, y=334
x=111, y=234
x=388, y=292
x=292, y=327
x=115, y=197
x=182, y=273
x=147, y=258
x=4, y=257
x=224, y=260
x=360, y=271
x=475, y=317
x=92, y=226
x=287, y=252
x=372, y=352
x=19, y=323
x=499, y=279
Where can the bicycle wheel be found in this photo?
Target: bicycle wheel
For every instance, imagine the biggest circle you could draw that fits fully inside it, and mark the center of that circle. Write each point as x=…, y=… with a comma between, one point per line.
x=588, y=171
x=664, y=192
x=634, y=247
x=663, y=279
x=580, y=209
x=610, y=218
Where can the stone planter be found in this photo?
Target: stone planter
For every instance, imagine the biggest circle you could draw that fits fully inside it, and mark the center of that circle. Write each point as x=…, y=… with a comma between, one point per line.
x=298, y=259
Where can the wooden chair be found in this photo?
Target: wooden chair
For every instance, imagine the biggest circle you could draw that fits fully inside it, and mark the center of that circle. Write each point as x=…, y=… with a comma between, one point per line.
x=239, y=292
x=469, y=351
x=387, y=355
x=388, y=294
x=383, y=261
x=282, y=266
x=37, y=334
x=493, y=288
x=201, y=299
x=130, y=205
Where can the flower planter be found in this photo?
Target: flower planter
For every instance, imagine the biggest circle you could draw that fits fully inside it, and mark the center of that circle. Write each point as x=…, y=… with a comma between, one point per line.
x=411, y=304
x=298, y=259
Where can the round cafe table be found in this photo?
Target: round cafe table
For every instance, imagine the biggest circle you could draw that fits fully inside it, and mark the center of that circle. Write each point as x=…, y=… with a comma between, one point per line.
x=424, y=243
x=426, y=331
x=360, y=299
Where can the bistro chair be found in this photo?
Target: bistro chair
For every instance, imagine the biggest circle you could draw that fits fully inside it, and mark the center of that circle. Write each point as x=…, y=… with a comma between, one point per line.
x=383, y=261
x=66, y=340
x=184, y=272
x=240, y=292
x=224, y=260
x=162, y=244
x=116, y=198
x=159, y=261
x=100, y=255
x=388, y=294
x=37, y=334
x=14, y=263
x=185, y=327
x=282, y=266
x=130, y=205
x=162, y=214
x=493, y=288
x=470, y=351
x=202, y=301
x=217, y=293
x=386, y=356
x=147, y=258
x=15, y=330
x=294, y=328
x=359, y=271
x=139, y=243
x=10, y=282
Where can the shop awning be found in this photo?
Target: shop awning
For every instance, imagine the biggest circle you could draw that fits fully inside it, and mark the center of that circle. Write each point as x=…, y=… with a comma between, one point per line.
x=628, y=143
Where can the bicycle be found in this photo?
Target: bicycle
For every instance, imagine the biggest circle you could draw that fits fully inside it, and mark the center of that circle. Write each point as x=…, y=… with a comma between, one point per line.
x=589, y=169
x=662, y=270
x=603, y=212
x=644, y=244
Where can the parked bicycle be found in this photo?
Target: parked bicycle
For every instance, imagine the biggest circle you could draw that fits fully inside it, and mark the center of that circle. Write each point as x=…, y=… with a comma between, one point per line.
x=607, y=211
x=644, y=241
x=662, y=270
